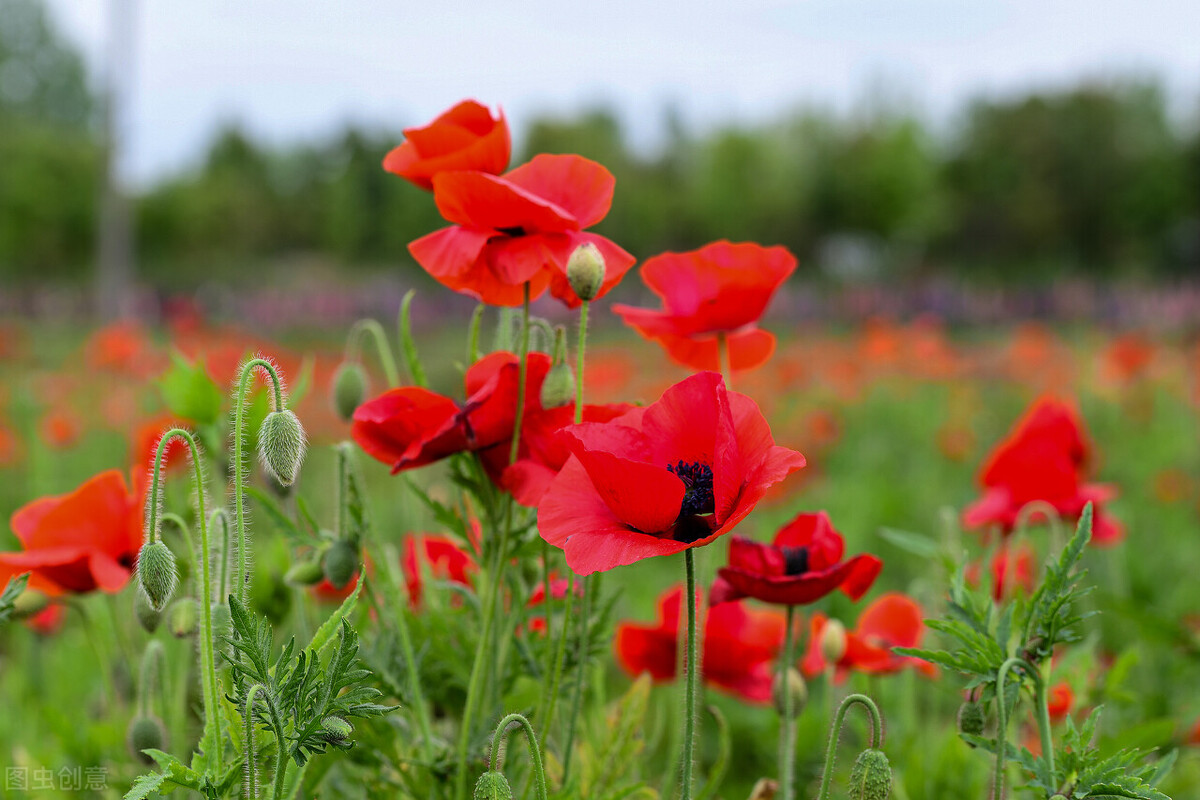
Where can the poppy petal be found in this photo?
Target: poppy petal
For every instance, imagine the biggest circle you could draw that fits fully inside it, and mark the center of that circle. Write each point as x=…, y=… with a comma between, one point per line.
x=576, y=184
x=481, y=201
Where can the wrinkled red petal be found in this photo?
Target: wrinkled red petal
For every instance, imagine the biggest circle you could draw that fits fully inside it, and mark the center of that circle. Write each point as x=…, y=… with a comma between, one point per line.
x=484, y=202
x=581, y=187
x=466, y=137
x=892, y=618
x=408, y=427
x=451, y=253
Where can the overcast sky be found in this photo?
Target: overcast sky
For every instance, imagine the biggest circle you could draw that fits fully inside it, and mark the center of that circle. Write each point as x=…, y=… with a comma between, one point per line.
x=295, y=69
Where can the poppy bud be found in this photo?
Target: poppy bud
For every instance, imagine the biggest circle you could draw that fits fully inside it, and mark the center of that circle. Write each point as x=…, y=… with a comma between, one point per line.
x=833, y=641
x=795, y=686
x=156, y=573
x=306, y=573
x=350, y=386
x=30, y=602
x=492, y=785
x=970, y=718
x=585, y=271
x=221, y=619
x=183, y=617
x=871, y=776
x=336, y=731
x=340, y=563
x=147, y=617
x=281, y=445
x=558, y=389
x=145, y=733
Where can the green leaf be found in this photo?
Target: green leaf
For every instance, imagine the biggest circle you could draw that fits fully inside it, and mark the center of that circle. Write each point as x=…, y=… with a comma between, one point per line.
x=325, y=633
x=189, y=392
x=144, y=786
x=917, y=544
x=279, y=517
x=8, y=598
x=407, y=346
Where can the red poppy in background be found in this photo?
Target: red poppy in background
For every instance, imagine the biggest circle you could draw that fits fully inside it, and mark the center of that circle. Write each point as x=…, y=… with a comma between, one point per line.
x=1044, y=458
x=1012, y=568
x=49, y=620
x=722, y=288
x=740, y=646
x=801, y=566
x=145, y=444
x=77, y=542
x=467, y=137
x=121, y=347
x=558, y=590
x=60, y=428
x=1059, y=701
x=520, y=228
x=441, y=556
x=892, y=620
x=661, y=479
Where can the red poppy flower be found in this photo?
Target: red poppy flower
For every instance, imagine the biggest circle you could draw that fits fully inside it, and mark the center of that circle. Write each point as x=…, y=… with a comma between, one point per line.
x=801, y=566
x=520, y=228
x=60, y=428
x=467, y=137
x=1059, y=701
x=892, y=620
x=558, y=590
x=145, y=444
x=660, y=479
x=722, y=288
x=1044, y=458
x=1010, y=571
x=740, y=646
x=441, y=557
x=78, y=542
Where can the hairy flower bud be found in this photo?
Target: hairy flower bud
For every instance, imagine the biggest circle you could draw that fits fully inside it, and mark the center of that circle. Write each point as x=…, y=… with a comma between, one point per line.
x=970, y=718
x=30, y=602
x=795, y=686
x=336, y=731
x=833, y=641
x=281, y=445
x=145, y=733
x=156, y=573
x=350, y=387
x=492, y=785
x=871, y=776
x=183, y=617
x=146, y=615
x=306, y=572
x=558, y=389
x=340, y=563
x=585, y=271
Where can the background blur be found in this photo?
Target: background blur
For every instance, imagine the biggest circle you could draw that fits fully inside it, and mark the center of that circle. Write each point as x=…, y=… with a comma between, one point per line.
x=1047, y=161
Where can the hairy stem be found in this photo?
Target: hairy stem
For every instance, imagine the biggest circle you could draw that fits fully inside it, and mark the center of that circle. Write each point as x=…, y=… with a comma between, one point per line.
x=372, y=328
x=239, y=422
x=835, y=733
x=535, y=754
x=787, y=722
x=692, y=667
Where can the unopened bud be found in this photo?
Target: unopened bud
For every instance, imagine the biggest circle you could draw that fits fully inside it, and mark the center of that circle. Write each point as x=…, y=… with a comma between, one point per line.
x=795, y=686
x=156, y=573
x=340, y=563
x=558, y=389
x=30, y=602
x=306, y=573
x=147, y=617
x=833, y=641
x=183, y=617
x=492, y=785
x=350, y=386
x=336, y=731
x=145, y=733
x=585, y=271
x=281, y=445
x=970, y=718
x=871, y=776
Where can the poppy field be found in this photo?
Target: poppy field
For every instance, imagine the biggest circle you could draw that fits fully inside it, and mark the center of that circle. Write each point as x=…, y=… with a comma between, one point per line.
x=679, y=546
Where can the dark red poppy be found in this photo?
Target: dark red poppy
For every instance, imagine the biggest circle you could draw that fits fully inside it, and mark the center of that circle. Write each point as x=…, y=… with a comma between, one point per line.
x=467, y=137
x=892, y=620
x=722, y=288
x=1044, y=458
x=78, y=542
x=801, y=566
x=740, y=646
x=520, y=228
x=657, y=480
x=440, y=557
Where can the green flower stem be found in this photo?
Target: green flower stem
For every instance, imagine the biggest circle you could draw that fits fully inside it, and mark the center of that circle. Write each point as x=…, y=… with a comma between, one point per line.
x=375, y=331
x=250, y=742
x=692, y=667
x=208, y=662
x=787, y=722
x=281, y=749
x=474, y=684
x=535, y=755
x=400, y=615
x=1002, y=720
x=559, y=651
x=239, y=423
x=835, y=733
x=723, y=361
x=221, y=516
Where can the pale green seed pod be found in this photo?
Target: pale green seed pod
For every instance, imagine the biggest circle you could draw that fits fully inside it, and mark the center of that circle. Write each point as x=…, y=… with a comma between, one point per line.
x=558, y=389
x=145, y=733
x=970, y=718
x=833, y=641
x=281, y=444
x=336, y=731
x=147, y=617
x=307, y=572
x=157, y=574
x=871, y=776
x=585, y=271
x=795, y=686
x=340, y=563
x=30, y=602
x=492, y=785
x=183, y=617
x=350, y=387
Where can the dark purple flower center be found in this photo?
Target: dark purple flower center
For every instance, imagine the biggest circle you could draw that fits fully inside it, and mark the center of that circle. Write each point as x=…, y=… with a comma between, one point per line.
x=795, y=560
x=698, y=497
x=514, y=231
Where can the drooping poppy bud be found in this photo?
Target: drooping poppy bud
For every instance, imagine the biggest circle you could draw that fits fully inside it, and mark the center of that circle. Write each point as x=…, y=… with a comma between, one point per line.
x=183, y=617
x=585, y=271
x=558, y=388
x=146, y=615
x=156, y=573
x=307, y=572
x=795, y=686
x=492, y=785
x=281, y=444
x=350, y=388
x=970, y=718
x=871, y=776
x=340, y=563
x=145, y=733
x=833, y=641
x=336, y=730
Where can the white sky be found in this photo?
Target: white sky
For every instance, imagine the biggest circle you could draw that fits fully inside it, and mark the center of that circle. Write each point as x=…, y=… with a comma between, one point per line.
x=295, y=69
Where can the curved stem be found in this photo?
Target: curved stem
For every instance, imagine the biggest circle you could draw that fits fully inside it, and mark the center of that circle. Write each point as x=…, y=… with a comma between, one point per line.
x=692, y=667
x=535, y=754
x=787, y=722
x=1043, y=704
x=382, y=348
x=835, y=733
x=239, y=421
x=1002, y=720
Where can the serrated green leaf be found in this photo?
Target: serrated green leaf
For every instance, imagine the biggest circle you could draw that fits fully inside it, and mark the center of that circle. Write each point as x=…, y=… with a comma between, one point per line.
x=144, y=786
x=329, y=627
x=8, y=598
